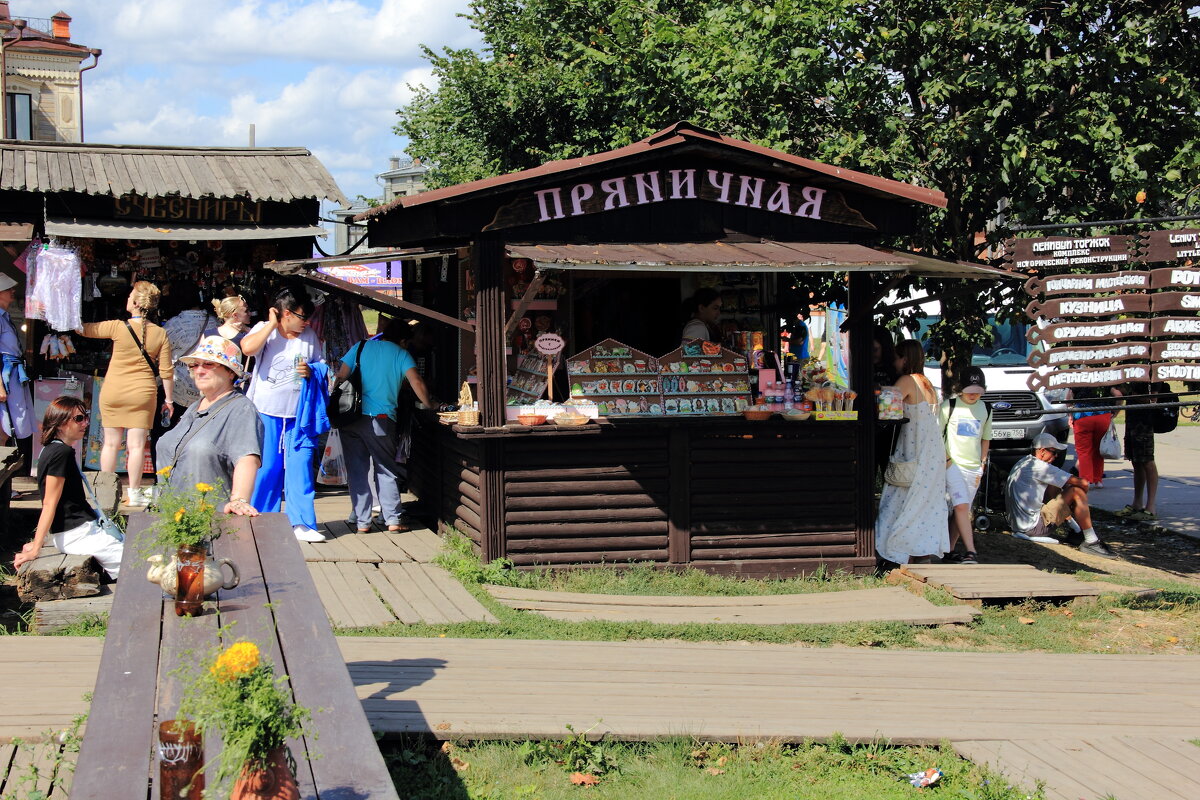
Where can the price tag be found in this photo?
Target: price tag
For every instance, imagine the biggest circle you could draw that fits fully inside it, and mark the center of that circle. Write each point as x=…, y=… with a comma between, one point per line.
x=549, y=344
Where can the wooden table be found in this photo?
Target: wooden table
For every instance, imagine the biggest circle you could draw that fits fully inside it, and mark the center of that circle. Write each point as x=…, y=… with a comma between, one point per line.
x=146, y=641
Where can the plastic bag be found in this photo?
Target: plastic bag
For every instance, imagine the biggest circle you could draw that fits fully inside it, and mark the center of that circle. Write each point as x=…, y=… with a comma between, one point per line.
x=1110, y=445
x=333, y=463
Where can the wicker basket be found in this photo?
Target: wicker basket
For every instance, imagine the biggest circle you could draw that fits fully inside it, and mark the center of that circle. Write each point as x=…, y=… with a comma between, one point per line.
x=447, y=417
x=571, y=420
x=468, y=416
x=757, y=414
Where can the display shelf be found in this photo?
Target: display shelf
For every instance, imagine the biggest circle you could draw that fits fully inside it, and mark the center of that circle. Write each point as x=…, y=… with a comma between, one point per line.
x=707, y=400
x=644, y=399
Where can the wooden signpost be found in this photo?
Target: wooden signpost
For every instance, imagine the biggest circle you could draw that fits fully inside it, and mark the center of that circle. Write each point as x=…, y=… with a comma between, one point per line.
x=1121, y=312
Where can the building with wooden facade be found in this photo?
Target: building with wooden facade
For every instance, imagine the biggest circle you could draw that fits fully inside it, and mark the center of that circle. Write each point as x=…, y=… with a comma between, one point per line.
x=618, y=232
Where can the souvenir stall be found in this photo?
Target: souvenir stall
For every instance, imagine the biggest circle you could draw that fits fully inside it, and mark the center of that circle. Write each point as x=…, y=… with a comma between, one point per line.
x=106, y=216
x=672, y=462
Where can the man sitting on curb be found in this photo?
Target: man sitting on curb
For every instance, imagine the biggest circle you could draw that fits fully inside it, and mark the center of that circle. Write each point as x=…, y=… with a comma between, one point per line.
x=1041, y=496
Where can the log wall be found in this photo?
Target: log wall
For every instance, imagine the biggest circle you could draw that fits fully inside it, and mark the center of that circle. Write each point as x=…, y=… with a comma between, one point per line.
x=750, y=498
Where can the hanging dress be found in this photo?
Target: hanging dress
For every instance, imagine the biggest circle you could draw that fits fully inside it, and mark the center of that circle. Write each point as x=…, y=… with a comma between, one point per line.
x=912, y=519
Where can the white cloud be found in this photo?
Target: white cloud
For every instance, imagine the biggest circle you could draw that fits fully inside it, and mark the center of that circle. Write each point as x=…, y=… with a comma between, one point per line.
x=323, y=74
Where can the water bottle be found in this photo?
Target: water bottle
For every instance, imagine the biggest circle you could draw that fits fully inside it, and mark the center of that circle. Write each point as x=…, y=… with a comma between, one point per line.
x=296, y=376
x=166, y=419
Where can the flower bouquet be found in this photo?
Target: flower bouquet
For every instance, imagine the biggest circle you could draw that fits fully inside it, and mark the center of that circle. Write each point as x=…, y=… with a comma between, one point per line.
x=237, y=697
x=185, y=523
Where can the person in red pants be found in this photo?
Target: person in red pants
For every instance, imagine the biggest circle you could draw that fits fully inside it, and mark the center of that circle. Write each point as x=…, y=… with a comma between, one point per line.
x=1090, y=426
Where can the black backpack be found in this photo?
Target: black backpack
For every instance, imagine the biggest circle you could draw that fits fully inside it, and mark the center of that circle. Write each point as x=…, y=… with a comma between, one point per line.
x=1163, y=419
x=345, y=401
x=953, y=402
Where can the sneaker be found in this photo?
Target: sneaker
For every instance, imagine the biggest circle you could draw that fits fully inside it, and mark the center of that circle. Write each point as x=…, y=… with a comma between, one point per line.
x=1038, y=539
x=1097, y=548
x=135, y=498
x=307, y=534
x=970, y=558
x=1096, y=485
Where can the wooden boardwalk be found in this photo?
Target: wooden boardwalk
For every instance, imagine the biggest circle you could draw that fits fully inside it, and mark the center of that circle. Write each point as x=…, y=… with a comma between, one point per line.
x=36, y=769
x=367, y=595
x=380, y=546
x=1122, y=767
x=1088, y=725
x=733, y=692
x=865, y=605
x=980, y=583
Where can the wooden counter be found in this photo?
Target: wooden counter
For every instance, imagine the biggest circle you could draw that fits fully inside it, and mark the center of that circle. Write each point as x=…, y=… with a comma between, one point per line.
x=718, y=493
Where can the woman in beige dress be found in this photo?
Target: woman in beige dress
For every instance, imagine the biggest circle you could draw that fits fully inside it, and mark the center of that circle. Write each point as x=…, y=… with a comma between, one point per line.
x=128, y=401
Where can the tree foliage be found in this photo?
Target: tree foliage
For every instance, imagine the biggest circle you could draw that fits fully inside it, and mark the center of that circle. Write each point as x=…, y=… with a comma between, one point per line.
x=1065, y=109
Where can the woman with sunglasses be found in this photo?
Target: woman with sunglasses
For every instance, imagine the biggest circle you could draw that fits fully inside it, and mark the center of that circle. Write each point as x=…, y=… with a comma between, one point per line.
x=67, y=517
x=286, y=351
x=218, y=439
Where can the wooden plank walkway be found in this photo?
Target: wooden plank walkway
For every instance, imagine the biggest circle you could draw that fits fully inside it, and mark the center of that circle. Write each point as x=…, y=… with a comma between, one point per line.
x=864, y=605
x=1125, y=734
x=36, y=769
x=368, y=595
x=45, y=680
x=498, y=688
x=978, y=583
x=1121, y=767
x=380, y=546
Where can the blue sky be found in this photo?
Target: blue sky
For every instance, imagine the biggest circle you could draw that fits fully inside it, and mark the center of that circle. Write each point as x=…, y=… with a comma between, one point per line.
x=323, y=74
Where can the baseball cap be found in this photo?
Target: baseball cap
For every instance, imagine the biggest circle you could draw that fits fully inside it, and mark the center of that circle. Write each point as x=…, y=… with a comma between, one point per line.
x=974, y=381
x=1047, y=440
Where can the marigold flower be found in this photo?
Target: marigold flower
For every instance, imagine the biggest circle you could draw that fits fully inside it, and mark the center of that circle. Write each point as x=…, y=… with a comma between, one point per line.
x=165, y=472
x=204, y=488
x=179, y=514
x=236, y=662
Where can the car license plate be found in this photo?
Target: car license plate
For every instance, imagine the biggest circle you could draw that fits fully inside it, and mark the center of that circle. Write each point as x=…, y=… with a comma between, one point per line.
x=1008, y=433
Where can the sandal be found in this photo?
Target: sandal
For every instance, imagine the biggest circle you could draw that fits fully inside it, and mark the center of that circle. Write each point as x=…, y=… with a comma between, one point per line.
x=1142, y=515
x=1127, y=511
x=970, y=558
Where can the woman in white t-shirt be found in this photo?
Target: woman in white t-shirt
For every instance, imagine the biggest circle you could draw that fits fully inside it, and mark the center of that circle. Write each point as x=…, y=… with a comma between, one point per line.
x=284, y=348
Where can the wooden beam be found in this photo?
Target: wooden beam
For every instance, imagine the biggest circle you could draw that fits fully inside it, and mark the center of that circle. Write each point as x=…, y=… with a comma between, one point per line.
x=861, y=339
x=535, y=286
x=379, y=298
x=488, y=260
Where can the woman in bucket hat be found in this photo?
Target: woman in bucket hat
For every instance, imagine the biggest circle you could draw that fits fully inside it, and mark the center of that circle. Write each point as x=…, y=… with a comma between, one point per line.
x=218, y=440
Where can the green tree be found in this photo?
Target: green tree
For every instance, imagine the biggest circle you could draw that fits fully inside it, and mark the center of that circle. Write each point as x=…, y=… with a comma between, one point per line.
x=1065, y=109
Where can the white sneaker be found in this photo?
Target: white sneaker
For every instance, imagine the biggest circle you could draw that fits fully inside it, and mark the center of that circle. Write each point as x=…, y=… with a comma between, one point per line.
x=134, y=498
x=307, y=534
x=1038, y=539
x=148, y=494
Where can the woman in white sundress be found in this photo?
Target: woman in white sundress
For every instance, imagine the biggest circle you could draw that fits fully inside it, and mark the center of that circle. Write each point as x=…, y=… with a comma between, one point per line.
x=912, y=519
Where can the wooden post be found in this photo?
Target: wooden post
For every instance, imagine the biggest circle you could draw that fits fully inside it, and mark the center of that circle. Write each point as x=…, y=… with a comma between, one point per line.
x=861, y=335
x=679, y=496
x=488, y=260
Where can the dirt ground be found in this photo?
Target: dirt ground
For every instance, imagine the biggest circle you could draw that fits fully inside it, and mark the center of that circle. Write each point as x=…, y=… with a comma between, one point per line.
x=1145, y=551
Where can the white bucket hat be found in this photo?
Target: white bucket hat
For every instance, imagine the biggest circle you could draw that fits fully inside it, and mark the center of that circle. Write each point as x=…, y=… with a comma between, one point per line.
x=217, y=350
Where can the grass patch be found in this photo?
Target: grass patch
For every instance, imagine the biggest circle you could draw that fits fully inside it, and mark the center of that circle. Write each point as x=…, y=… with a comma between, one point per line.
x=682, y=768
x=459, y=558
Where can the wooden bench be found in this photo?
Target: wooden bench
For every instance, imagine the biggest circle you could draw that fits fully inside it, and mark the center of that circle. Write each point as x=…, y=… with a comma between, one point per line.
x=146, y=641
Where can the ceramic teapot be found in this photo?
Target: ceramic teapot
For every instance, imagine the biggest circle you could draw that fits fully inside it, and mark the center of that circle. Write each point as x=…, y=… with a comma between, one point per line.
x=166, y=574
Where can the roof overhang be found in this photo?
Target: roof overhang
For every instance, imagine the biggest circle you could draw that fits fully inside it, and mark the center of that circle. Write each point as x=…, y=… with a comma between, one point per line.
x=156, y=231
x=745, y=257
x=16, y=231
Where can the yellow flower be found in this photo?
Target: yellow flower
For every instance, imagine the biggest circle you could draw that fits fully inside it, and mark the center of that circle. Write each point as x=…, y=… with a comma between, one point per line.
x=239, y=660
x=165, y=472
x=179, y=514
x=204, y=488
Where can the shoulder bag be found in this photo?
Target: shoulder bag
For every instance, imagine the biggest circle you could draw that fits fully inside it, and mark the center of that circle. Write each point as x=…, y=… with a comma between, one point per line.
x=103, y=521
x=161, y=397
x=345, y=401
x=900, y=473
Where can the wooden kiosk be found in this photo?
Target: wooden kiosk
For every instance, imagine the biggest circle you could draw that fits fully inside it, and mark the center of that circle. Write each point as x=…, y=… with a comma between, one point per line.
x=720, y=493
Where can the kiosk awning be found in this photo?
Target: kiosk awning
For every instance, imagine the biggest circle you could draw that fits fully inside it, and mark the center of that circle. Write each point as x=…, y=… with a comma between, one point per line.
x=745, y=257
x=164, y=231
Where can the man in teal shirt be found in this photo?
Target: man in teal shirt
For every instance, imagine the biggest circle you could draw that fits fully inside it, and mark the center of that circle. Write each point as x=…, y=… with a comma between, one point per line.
x=369, y=443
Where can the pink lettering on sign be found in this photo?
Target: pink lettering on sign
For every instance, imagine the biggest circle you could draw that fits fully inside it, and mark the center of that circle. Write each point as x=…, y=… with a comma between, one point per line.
x=658, y=186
